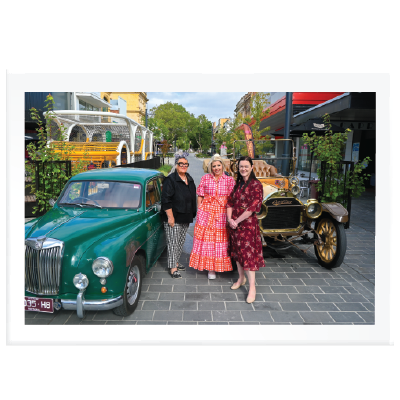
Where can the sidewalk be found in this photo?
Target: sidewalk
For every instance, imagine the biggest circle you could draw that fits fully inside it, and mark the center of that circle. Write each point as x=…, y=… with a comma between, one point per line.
x=290, y=290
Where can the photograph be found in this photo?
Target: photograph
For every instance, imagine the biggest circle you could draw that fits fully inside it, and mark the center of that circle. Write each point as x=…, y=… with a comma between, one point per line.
x=200, y=208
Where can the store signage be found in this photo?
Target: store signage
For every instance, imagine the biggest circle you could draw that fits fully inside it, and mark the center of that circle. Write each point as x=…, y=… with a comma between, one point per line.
x=355, y=152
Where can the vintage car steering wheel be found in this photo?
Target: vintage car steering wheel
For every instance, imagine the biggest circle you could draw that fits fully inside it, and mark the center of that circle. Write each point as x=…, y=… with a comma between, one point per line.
x=81, y=197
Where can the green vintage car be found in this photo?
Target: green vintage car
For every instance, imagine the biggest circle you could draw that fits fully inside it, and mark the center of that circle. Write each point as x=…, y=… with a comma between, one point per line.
x=93, y=248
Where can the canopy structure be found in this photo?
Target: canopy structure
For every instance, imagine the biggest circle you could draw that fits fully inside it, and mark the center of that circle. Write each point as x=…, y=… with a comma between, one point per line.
x=313, y=125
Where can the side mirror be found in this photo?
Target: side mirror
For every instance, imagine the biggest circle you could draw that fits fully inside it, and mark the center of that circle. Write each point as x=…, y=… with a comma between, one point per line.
x=158, y=207
x=52, y=202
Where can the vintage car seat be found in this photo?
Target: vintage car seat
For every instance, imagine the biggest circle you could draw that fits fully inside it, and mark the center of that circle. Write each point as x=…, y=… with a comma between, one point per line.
x=108, y=199
x=264, y=170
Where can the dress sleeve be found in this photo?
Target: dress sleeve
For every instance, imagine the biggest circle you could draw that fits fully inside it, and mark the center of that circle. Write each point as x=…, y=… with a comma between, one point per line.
x=230, y=202
x=200, y=189
x=256, y=193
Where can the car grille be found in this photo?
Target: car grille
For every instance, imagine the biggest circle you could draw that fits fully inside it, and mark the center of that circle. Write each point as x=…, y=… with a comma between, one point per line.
x=286, y=216
x=43, y=259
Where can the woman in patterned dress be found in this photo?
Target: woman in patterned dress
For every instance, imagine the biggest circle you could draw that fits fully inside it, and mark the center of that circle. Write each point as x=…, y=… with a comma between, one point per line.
x=245, y=245
x=210, y=240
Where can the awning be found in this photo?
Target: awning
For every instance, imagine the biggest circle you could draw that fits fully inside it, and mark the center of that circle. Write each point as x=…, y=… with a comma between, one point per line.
x=313, y=125
x=93, y=100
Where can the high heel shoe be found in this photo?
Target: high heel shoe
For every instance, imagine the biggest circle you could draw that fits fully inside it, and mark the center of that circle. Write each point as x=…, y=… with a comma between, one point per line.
x=250, y=300
x=234, y=287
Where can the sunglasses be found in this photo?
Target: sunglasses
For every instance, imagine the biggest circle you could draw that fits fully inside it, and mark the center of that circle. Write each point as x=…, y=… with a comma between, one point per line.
x=181, y=164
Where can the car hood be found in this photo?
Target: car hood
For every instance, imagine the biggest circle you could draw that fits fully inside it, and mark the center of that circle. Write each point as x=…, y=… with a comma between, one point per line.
x=79, y=229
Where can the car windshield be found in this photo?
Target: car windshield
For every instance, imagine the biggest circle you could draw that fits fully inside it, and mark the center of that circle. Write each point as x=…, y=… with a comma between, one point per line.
x=270, y=151
x=102, y=194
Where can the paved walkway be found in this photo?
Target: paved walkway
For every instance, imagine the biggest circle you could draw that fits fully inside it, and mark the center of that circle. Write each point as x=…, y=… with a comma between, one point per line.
x=290, y=290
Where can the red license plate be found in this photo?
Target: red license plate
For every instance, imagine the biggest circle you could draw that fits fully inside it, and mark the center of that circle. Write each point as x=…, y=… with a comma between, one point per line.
x=41, y=305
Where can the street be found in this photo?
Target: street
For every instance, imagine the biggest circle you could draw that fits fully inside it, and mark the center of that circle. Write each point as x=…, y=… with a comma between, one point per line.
x=290, y=290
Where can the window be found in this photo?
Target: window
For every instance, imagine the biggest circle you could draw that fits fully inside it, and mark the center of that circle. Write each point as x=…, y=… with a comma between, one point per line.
x=152, y=194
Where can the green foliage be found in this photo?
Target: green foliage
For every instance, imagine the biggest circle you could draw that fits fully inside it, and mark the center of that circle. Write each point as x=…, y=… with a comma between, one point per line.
x=258, y=110
x=329, y=148
x=54, y=175
x=171, y=121
x=165, y=169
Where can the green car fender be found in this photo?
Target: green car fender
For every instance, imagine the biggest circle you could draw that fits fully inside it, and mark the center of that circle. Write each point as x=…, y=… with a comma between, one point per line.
x=120, y=247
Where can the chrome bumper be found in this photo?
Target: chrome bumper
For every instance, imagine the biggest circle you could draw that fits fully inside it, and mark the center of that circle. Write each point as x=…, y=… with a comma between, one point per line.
x=81, y=305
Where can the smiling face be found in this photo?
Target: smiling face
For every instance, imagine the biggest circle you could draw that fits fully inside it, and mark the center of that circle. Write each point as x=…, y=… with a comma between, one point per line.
x=182, y=166
x=245, y=169
x=216, y=168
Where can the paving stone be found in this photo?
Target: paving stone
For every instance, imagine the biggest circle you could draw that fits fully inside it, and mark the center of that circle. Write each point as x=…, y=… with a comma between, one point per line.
x=316, y=317
x=152, y=281
x=275, y=275
x=197, y=316
x=184, y=288
x=303, y=297
x=280, y=297
x=171, y=296
x=84, y=322
x=160, y=288
x=104, y=315
x=238, y=306
x=283, y=289
x=37, y=321
x=231, y=296
x=197, y=296
x=182, y=323
x=323, y=306
x=351, y=307
x=282, y=269
x=243, y=323
x=295, y=307
x=226, y=315
x=330, y=298
x=268, y=305
x=183, y=305
x=308, y=289
x=213, y=323
x=243, y=297
x=221, y=282
x=151, y=323
x=263, y=289
x=212, y=305
x=353, y=298
x=31, y=314
x=337, y=282
x=369, y=306
x=296, y=275
x=195, y=281
x=314, y=282
x=367, y=316
x=156, y=305
x=335, y=289
x=294, y=282
x=347, y=316
x=258, y=316
x=139, y=315
x=61, y=318
x=286, y=316
x=318, y=275
x=209, y=289
x=351, y=290
x=149, y=296
x=168, y=315
x=121, y=322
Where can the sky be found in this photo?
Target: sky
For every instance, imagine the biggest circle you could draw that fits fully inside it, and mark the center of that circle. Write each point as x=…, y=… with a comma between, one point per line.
x=213, y=105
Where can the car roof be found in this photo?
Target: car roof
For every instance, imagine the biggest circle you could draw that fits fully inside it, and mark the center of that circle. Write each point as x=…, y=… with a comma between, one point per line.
x=117, y=174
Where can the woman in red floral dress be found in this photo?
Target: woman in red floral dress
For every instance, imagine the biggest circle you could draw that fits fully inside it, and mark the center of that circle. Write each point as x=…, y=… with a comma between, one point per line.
x=245, y=245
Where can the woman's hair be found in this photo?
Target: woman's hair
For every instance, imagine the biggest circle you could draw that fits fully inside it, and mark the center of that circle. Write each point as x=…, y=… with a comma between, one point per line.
x=178, y=155
x=215, y=158
x=239, y=177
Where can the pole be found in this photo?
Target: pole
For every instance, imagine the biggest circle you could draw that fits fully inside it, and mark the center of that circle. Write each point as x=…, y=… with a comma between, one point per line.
x=146, y=119
x=288, y=117
x=212, y=141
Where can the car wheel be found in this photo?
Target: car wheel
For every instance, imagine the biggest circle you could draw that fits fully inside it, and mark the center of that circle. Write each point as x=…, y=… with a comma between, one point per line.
x=133, y=287
x=331, y=253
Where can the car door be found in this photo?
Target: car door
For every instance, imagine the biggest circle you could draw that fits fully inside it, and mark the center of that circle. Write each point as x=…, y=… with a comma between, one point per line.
x=153, y=220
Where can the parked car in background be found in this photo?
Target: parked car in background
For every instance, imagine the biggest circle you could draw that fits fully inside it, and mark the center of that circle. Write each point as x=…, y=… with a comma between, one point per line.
x=93, y=248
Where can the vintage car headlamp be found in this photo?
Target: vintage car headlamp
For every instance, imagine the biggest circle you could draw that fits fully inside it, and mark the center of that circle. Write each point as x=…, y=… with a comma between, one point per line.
x=102, y=267
x=295, y=190
x=81, y=281
x=313, y=209
x=263, y=212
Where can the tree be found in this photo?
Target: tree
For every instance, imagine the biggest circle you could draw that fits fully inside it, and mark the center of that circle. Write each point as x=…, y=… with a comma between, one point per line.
x=232, y=130
x=171, y=119
x=328, y=148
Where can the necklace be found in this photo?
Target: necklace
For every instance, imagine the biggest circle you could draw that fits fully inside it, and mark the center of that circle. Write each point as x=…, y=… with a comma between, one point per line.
x=184, y=179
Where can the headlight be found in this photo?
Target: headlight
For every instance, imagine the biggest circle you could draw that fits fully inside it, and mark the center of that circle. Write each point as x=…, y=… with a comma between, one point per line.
x=295, y=190
x=81, y=281
x=313, y=209
x=102, y=267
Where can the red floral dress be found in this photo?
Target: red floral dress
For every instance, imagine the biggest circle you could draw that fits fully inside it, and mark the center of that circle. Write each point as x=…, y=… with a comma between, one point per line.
x=245, y=244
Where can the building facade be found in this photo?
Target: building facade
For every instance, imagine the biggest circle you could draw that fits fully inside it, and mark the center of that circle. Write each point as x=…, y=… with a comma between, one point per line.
x=136, y=103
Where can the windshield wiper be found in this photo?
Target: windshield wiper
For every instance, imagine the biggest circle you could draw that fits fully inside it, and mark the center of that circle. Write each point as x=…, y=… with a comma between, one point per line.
x=70, y=204
x=89, y=205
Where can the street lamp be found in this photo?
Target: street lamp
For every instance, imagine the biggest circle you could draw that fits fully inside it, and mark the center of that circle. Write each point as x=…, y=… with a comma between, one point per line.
x=212, y=141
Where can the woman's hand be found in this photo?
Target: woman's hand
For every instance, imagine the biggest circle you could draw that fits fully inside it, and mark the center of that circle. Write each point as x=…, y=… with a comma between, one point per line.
x=233, y=224
x=171, y=221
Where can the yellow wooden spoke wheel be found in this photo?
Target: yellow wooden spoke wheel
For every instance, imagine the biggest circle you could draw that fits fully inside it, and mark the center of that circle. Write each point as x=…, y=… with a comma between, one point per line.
x=331, y=253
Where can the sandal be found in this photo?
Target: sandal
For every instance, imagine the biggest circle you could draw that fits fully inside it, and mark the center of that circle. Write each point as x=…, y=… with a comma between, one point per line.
x=181, y=267
x=175, y=275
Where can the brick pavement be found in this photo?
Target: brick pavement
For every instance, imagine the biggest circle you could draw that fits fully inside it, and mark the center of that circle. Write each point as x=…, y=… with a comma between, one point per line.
x=290, y=290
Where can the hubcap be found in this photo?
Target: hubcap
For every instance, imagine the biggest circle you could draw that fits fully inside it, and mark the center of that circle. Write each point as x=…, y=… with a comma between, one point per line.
x=327, y=231
x=133, y=284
